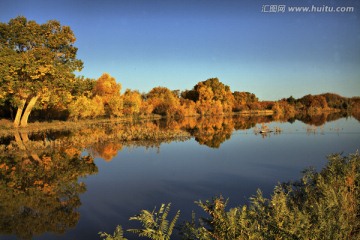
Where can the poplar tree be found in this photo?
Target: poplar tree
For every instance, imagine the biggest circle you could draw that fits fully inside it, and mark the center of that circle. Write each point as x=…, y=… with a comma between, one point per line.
x=35, y=60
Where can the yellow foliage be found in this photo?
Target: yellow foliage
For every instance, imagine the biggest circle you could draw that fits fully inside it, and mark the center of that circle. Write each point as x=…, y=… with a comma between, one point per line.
x=106, y=87
x=164, y=101
x=213, y=97
x=72, y=151
x=116, y=105
x=188, y=107
x=97, y=107
x=84, y=107
x=205, y=93
x=132, y=102
x=146, y=108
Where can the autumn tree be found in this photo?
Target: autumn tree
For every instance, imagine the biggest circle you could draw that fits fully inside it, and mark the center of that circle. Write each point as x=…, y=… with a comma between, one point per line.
x=283, y=110
x=355, y=107
x=291, y=100
x=188, y=107
x=85, y=107
x=314, y=103
x=106, y=87
x=211, y=97
x=336, y=101
x=115, y=106
x=132, y=102
x=35, y=59
x=190, y=94
x=83, y=86
x=164, y=101
x=242, y=100
x=146, y=108
x=56, y=106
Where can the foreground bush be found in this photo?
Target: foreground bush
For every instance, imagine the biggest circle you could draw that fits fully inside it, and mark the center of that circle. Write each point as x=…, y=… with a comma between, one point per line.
x=324, y=205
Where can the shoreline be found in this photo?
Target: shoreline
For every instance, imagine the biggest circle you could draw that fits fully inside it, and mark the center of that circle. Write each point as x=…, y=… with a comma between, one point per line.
x=7, y=128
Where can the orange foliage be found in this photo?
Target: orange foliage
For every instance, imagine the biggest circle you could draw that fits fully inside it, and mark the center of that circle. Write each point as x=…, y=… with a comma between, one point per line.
x=115, y=106
x=106, y=87
x=164, y=101
x=146, y=108
x=214, y=97
x=242, y=99
x=108, y=151
x=213, y=131
x=132, y=102
x=283, y=110
x=188, y=107
x=84, y=107
x=313, y=104
x=72, y=151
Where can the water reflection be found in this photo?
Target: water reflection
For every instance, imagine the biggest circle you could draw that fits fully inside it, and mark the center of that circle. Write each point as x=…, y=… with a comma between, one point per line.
x=39, y=173
x=105, y=140
x=39, y=188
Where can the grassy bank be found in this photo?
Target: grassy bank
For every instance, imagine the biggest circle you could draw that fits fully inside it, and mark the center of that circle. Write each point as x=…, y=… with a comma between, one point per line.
x=255, y=112
x=7, y=128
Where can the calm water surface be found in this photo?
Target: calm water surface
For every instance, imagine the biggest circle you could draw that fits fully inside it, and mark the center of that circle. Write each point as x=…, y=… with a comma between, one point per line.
x=183, y=172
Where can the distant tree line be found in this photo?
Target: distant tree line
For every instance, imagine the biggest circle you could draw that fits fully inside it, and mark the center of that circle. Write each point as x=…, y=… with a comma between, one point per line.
x=37, y=65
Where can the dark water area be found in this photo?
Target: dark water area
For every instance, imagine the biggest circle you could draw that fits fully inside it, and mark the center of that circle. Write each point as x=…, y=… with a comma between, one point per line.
x=76, y=184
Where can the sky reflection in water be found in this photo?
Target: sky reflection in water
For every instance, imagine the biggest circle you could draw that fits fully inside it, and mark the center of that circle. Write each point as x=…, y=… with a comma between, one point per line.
x=183, y=172
x=138, y=177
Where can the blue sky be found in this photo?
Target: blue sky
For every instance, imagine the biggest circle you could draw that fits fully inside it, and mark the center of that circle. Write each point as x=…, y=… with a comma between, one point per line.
x=176, y=44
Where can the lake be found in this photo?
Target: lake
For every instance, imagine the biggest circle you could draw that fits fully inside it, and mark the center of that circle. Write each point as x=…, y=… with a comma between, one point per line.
x=71, y=196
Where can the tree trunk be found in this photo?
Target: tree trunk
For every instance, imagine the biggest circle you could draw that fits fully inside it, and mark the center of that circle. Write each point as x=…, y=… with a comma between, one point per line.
x=19, y=141
x=27, y=111
x=24, y=137
x=19, y=113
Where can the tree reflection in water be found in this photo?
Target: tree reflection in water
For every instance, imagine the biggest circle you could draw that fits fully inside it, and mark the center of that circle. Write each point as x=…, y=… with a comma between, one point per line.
x=39, y=173
x=39, y=188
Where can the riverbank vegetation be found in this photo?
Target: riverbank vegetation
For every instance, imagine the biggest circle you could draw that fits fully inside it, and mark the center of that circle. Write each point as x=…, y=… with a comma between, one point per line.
x=37, y=83
x=109, y=136
x=321, y=205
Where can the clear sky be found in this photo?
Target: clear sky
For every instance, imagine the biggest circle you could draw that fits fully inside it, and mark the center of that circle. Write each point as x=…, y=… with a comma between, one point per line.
x=176, y=44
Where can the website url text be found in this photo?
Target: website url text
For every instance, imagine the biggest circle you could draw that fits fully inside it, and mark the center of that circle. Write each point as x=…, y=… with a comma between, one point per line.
x=308, y=9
